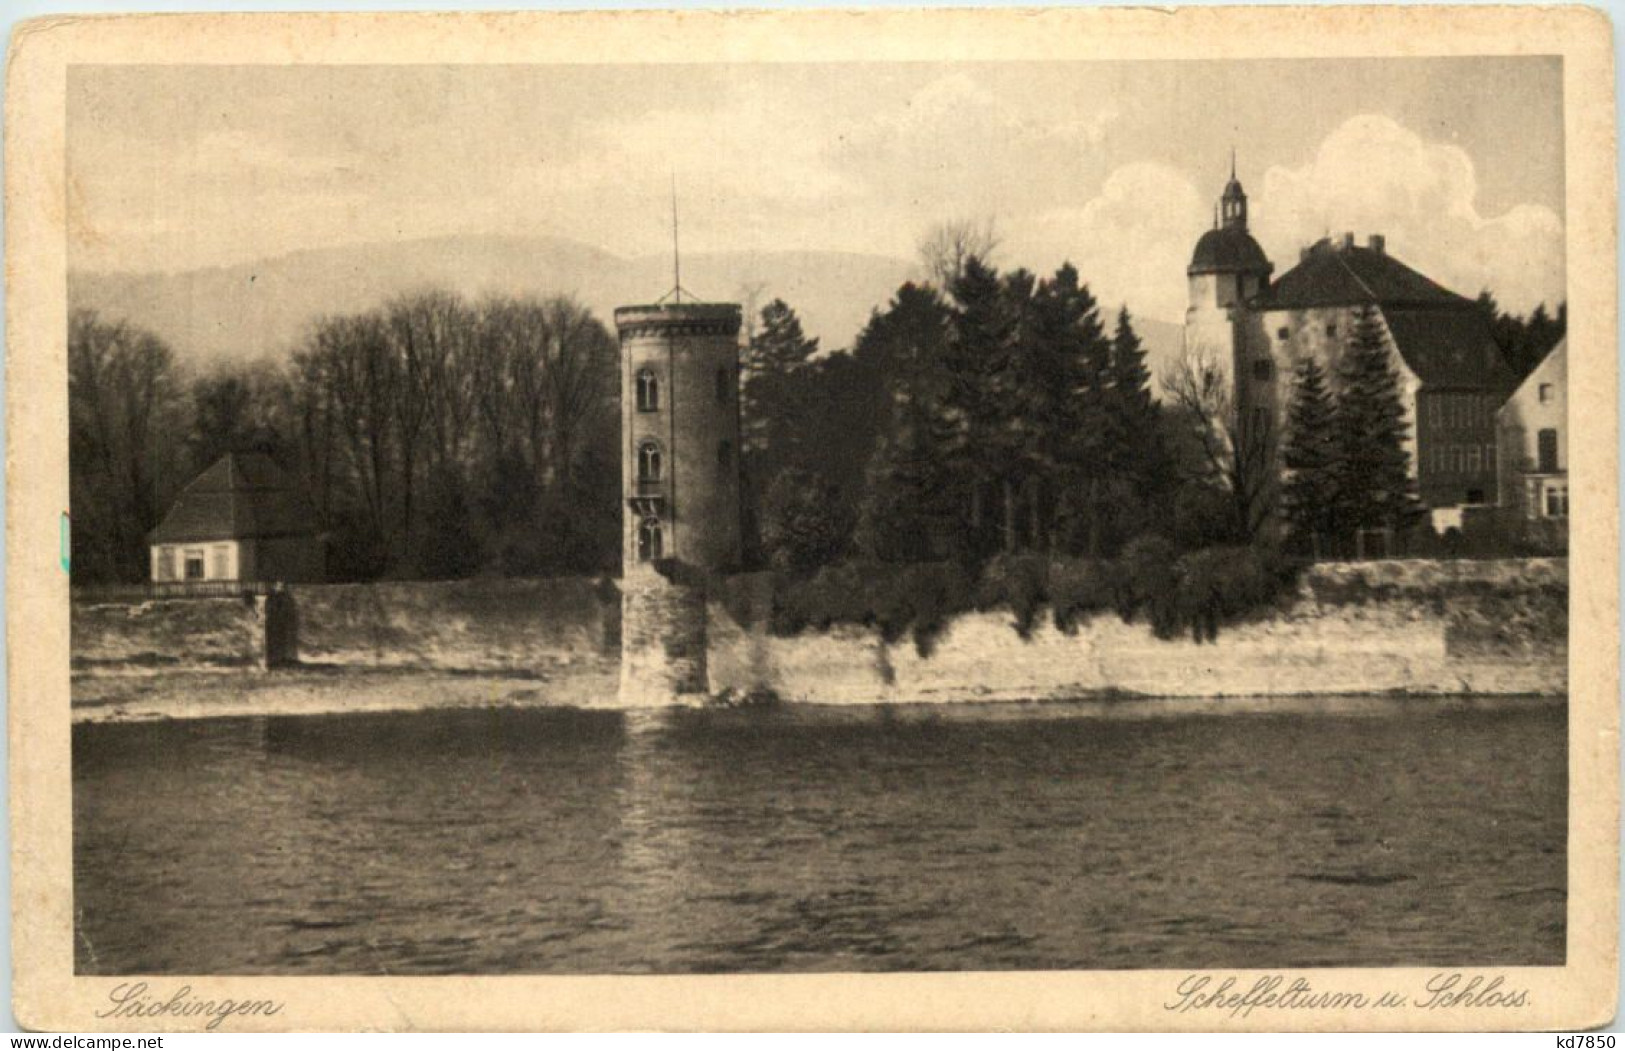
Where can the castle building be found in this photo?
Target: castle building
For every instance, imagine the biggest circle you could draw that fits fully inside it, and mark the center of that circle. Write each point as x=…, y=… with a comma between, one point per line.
x=680, y=481
x=1452, y=374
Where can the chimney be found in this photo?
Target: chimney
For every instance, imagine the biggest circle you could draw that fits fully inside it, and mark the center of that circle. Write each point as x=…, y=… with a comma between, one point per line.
x=1348, y=240
x=1378, y=243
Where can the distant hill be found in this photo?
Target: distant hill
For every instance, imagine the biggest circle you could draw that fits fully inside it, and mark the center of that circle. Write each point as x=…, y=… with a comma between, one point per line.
x=264, y=309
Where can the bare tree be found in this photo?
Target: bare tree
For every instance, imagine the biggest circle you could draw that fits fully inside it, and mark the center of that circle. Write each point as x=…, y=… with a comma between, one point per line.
x=125, y=440
x=946, y=247
x=1236, y=441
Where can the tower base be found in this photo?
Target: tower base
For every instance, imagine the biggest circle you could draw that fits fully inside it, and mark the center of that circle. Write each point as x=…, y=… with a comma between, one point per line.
x=663, y=640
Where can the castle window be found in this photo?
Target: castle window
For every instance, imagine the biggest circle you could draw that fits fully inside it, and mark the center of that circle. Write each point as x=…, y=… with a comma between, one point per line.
x=651, y=540
x=725, y=454
x=1545, y=393
x=1474, y=459
x=1331, y=329
x=1283, y=333
x=648, y=391
x=1263, y=370
x=649, y=462
x=722, y=386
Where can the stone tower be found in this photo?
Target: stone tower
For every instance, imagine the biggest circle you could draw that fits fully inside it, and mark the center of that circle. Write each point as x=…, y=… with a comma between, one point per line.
x=1227, y=269
x=680, y=479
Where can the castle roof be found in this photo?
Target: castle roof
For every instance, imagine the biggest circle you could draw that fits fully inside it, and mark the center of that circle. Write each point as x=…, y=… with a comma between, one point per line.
x=1345, y=274
x=1228, y=250
x=240, y=496
x=1445, y=338
x=1449, y=347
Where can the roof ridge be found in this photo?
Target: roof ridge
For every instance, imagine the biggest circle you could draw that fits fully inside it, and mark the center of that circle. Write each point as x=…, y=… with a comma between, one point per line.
x=1344, y=263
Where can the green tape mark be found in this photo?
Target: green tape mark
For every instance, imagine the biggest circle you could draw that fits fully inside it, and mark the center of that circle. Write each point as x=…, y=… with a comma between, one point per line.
x=67, y=544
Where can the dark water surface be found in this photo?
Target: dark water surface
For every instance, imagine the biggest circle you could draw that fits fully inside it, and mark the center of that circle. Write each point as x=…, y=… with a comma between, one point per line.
x=1102, y=835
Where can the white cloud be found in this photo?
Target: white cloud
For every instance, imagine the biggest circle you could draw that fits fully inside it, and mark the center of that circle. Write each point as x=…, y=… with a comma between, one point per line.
x=1371, y=175
x=1131, y=242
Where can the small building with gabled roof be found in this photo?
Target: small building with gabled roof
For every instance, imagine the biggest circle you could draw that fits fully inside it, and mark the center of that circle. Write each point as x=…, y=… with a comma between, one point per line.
x=243, y=519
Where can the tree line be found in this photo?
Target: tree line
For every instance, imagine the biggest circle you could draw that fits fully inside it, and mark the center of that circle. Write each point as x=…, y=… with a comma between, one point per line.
x=978, y=414
x=435, y=437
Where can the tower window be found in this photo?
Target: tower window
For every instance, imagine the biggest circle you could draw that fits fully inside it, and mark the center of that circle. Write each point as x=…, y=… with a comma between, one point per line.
x=1263, y=370
x=651, y=540
x=1283, y=333
x=649, y=462
x=1545, y=393
x=1331, y=329
x=722, y=385
x=648, y=391
x=725, y=454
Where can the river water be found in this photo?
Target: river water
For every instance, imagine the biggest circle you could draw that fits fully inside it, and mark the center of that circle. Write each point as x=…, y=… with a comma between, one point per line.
x=1167, y=834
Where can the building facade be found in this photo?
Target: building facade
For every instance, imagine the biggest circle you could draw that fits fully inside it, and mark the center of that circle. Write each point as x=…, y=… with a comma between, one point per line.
x=1452, y=375
x=1532, y=432
x=241, y=520
x=680, y=480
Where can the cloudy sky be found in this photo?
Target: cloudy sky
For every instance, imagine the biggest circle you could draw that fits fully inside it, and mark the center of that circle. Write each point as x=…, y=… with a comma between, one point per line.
x=1114, y=166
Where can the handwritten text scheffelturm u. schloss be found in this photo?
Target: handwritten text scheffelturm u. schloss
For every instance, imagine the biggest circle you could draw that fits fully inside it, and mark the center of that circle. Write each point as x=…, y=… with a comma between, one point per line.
x=1239, y=997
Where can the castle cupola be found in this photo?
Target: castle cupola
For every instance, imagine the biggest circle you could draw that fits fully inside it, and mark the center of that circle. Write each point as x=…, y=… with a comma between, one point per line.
x=1233, y=205
x=1228, y=248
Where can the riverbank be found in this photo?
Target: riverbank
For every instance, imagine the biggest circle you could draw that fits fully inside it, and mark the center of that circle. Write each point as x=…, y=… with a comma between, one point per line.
x=229, y=693
x=317, y=692
x=1400, y=628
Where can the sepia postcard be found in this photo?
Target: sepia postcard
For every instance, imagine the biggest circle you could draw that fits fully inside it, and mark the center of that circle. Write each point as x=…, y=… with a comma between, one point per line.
x=874, y=519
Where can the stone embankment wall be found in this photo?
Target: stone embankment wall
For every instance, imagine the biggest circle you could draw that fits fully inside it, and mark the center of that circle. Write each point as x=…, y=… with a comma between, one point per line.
x=1402, y=626
x=1412, y=627
x=547, y=628
x=251, y=631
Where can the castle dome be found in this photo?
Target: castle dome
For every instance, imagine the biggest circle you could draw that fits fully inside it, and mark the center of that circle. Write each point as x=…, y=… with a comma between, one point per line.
x=1228, y=250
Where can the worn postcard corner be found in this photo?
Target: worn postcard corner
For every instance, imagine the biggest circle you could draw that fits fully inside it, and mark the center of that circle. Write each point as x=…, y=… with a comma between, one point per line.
x=847, y=520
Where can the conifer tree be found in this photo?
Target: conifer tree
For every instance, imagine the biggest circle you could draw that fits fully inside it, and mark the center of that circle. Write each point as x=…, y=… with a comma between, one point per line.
x=1309, y=494
x=1374, y=483
x=777, y=350
x=976, y=360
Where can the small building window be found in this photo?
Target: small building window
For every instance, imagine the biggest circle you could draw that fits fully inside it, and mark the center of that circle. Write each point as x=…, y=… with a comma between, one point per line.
x=1547, y=446
x=651, y=540
x=194, y=565
x=649, y=461
x=166, y=563
x=1331, y=329
x=222, y=555
x=1545, y=393
x=1263, y=370
x=725, y=454
x=722, y=386
x=1557, y=501
x=1283, y=333
x=648, y=391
